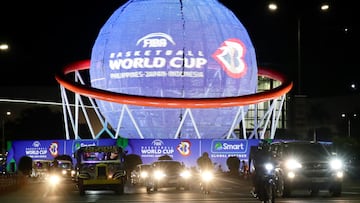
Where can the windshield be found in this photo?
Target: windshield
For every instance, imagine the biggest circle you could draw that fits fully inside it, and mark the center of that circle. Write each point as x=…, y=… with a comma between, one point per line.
x=100, y=156
x=41, y=164
x=96, y=154
x=308, y=151
x=65, y=165
x=168, y=165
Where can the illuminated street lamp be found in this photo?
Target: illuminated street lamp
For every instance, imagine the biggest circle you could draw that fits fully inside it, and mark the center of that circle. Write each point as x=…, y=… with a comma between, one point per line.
x=323, y=7
x=272, y=6
x=348, y=117
x=353, y=86
x=3, y=150
x=4, y=47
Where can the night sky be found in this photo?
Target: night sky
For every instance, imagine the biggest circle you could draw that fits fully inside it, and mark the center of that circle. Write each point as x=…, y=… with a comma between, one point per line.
x=44, y=36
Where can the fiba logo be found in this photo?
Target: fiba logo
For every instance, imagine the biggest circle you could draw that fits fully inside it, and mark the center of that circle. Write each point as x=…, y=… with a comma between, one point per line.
x=157, y=143
x=36, y=144
x=156, y=39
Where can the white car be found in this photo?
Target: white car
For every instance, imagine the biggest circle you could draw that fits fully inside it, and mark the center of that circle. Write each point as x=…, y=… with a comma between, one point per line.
x=307, y=165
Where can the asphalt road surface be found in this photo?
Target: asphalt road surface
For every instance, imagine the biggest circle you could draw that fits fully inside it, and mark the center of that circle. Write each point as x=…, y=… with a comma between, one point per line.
x=224, y=190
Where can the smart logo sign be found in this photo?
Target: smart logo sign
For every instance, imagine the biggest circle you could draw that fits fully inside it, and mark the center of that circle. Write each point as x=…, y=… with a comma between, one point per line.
x=227, y=148
x=83, y=143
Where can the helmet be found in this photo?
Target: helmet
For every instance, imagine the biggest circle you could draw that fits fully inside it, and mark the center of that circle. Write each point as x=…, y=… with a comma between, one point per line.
x=264, y=144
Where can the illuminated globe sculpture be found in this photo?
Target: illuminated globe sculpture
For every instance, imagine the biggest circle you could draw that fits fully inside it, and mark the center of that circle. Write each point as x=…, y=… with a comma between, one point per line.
x=173, y=49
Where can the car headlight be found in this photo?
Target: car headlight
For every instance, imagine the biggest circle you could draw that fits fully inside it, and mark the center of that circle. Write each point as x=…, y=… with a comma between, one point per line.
x=207, y=175
x=54, y=179
x=185, y=174
x=144, y=174
x=336, y=164
x=269, y=167
x=292, y=164
x=159, y=174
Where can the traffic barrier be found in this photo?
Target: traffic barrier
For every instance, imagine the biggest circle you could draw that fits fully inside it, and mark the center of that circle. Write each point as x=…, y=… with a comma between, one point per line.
x=11, y=182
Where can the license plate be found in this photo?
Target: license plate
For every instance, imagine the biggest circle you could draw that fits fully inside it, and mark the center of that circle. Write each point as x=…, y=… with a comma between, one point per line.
x=318, y=180
x=171, y=181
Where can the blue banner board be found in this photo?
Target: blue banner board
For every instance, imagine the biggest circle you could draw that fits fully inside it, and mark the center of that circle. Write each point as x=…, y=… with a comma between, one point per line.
x=184, y=150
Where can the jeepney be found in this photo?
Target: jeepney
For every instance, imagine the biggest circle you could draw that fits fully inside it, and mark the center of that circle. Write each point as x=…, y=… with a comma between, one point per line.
x=100, y=168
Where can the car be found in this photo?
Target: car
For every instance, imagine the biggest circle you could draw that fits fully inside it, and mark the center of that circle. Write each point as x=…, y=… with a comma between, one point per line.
x=40, y=169
x=306, y=165
x=168, y=173
x=67, y=169
x=140, y=174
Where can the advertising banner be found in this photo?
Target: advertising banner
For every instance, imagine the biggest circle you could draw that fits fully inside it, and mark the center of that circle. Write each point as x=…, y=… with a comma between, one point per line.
x=149, y=150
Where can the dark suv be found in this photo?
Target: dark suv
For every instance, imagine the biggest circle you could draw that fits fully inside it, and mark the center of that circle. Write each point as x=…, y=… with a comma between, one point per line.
x=168, y=173
x=307, y=165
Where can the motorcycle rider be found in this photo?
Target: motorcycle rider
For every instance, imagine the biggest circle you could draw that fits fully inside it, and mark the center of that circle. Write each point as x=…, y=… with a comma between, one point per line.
x=206, y=168
x=259, y=157
x=55, y=166
x=204, y=162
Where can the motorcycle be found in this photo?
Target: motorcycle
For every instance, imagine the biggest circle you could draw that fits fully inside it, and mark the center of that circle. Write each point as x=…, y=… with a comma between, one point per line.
x=206, y=178
x=267, y=188
x=54, y=181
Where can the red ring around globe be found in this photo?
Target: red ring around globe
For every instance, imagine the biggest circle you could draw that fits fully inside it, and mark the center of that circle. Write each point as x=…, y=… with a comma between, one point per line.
x=167, y=102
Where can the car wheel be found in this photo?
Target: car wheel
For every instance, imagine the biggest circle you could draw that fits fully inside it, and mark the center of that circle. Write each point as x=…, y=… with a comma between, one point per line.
x=335, y=190
x=148, y=190
x=314, y=192
x=282, y=190
x=269, y=196
x=120, y=189
x=81, y=187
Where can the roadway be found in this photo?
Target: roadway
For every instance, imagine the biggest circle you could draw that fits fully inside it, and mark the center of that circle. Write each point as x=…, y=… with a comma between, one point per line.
x=225, y=190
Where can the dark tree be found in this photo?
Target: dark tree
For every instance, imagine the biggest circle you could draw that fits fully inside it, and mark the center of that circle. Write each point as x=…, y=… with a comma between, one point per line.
x=25, y=165
x=38, y=123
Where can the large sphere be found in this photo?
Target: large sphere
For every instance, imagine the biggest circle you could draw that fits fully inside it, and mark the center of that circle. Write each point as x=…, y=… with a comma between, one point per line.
x=179, y=49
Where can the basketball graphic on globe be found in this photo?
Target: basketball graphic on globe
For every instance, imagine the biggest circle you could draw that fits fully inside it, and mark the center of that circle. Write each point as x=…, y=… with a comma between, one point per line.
x=172, y=49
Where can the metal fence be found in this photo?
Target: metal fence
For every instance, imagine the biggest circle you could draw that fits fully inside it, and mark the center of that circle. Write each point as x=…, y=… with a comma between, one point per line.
x=11, y=182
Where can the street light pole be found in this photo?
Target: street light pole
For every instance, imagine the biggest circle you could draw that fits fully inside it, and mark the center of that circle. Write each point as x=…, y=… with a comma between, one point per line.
x=3, y=138
x=8, y=113
x=349, y=127
x=324, y=7
x=349, y=117
x=299, y=53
